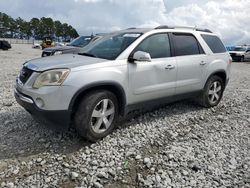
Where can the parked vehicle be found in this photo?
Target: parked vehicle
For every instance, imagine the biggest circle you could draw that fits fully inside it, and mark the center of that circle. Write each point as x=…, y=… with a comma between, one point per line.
x=230, y=48
x=36, y=46
x=4, y=45
x=72, y=48
x=240, y=53
x=121, y=72
x=47, y=43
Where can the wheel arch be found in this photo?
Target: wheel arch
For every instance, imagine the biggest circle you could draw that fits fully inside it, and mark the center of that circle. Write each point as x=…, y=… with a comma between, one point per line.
x=113, y=87
x=221, y=73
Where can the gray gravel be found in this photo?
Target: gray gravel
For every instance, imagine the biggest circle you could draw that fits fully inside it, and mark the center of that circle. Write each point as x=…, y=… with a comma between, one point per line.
x=179, y=145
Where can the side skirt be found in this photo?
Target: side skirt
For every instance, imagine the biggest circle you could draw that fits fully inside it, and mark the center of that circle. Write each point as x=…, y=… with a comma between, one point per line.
x=151, y=104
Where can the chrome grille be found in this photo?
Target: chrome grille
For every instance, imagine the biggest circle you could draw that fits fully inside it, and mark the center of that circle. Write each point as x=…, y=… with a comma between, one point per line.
x=25, y=74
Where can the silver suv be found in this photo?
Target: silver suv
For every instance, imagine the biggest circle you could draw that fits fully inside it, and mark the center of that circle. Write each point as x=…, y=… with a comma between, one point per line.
x=124, y=71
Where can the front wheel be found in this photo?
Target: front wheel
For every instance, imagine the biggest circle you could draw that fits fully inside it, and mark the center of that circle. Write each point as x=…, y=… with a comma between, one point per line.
x=213, y=92
x=96, y=115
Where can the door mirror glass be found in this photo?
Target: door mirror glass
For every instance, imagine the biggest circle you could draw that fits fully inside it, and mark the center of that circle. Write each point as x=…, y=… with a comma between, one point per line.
x=141, y=56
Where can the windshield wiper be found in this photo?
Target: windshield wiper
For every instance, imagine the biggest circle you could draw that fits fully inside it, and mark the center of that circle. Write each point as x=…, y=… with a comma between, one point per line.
x=87, y=54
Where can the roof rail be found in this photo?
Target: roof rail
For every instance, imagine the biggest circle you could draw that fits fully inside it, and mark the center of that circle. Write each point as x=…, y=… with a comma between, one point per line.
x=204, y=30
x=164, y=27
x=184, y=27
x=131, y=28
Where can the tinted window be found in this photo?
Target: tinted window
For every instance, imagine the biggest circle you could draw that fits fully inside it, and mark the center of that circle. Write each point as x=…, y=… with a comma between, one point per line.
x=186, y=44
x=214, y=43
x=156, y=45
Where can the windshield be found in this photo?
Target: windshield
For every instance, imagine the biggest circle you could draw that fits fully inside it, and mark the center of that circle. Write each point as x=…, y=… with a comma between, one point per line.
x=230, y=48
x=240, y=49
x=111, y=46
x=80, y=41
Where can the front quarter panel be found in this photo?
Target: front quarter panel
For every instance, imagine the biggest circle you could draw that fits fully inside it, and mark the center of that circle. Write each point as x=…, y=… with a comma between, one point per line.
x=112, y=72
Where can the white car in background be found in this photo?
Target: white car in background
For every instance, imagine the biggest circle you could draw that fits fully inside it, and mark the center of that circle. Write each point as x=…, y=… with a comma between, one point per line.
x=240, y=53
x=36, y=46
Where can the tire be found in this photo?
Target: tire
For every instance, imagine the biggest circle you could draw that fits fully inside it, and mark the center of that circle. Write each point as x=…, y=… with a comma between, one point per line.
x=91, y=114
x=211, y=96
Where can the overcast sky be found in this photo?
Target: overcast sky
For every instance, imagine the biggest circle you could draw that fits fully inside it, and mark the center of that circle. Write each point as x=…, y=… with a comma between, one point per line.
x=229, y=18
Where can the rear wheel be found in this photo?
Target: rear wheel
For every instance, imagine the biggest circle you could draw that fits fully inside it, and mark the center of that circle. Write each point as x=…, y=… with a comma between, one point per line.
x=213, y=92
x=96, y=115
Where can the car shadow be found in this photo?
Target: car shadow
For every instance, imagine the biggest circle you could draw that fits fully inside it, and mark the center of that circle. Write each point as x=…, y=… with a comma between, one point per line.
x=22, y=136
x=175, y=108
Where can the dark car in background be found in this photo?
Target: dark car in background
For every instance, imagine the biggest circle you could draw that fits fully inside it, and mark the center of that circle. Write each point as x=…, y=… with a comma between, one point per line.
x=4, y=45
x=72, y=48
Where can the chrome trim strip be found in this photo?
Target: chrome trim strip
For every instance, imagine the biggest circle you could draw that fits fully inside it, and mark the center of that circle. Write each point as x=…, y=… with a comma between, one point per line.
x=23, y=98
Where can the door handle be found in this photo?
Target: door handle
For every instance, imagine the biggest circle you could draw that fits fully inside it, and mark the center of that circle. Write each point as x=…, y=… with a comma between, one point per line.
x=203, y=63
x=169, y=67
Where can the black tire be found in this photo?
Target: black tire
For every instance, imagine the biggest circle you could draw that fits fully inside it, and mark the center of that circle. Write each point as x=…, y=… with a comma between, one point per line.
x=205, y=98
x=83, y=117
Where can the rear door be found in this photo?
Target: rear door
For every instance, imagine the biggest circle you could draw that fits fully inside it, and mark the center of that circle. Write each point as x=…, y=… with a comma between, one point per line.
x=191, y=62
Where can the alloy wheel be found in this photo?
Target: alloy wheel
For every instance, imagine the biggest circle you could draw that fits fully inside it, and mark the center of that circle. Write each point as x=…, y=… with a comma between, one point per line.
x=214, y=92
x=102, y=116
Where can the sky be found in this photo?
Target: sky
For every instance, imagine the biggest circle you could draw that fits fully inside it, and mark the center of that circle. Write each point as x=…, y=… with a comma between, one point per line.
x=228, y=18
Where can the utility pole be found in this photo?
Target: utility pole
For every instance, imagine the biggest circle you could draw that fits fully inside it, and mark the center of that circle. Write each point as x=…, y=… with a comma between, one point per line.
x=2, y=28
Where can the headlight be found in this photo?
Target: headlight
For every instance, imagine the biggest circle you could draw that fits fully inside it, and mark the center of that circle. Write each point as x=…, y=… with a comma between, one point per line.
x=51, y=78
x=58, y=53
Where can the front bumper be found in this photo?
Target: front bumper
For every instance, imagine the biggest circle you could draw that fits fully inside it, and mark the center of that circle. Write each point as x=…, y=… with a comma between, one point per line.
x=236, y=57
x=55, y=119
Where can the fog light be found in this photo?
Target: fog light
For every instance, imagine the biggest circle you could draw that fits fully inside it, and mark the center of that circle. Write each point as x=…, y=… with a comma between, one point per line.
x=39, y=102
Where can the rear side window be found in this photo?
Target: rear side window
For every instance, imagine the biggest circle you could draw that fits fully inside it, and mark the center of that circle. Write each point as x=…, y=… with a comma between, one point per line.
x=186, y=44
x=214, y=43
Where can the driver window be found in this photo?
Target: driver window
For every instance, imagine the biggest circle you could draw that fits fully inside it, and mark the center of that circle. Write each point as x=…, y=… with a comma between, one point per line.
x=156, y=45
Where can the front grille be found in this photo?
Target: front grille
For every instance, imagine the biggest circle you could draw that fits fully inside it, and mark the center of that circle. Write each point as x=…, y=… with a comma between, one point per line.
x=25, y=74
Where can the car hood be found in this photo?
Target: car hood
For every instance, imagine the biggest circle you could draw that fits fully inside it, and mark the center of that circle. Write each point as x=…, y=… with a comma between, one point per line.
x=60, y=48
x=61, y=61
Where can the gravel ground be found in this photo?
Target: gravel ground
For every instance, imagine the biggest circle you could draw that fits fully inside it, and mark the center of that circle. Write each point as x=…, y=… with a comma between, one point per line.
x=179, y=145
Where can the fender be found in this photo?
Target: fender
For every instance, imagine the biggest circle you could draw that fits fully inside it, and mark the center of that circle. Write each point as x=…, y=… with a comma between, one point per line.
x=217, y=72
x=103, y=84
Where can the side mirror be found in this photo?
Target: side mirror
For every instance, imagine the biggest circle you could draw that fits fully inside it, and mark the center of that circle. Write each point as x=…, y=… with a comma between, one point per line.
x=141, y=56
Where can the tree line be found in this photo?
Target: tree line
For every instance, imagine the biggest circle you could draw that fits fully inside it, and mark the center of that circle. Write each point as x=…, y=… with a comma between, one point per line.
x=35, y=28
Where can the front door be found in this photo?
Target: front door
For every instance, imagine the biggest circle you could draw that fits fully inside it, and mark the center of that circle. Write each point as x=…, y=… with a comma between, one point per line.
x=155, y=79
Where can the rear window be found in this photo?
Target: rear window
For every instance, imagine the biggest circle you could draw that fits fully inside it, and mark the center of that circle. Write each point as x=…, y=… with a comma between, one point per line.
x=186, y=44
x=214, y=43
